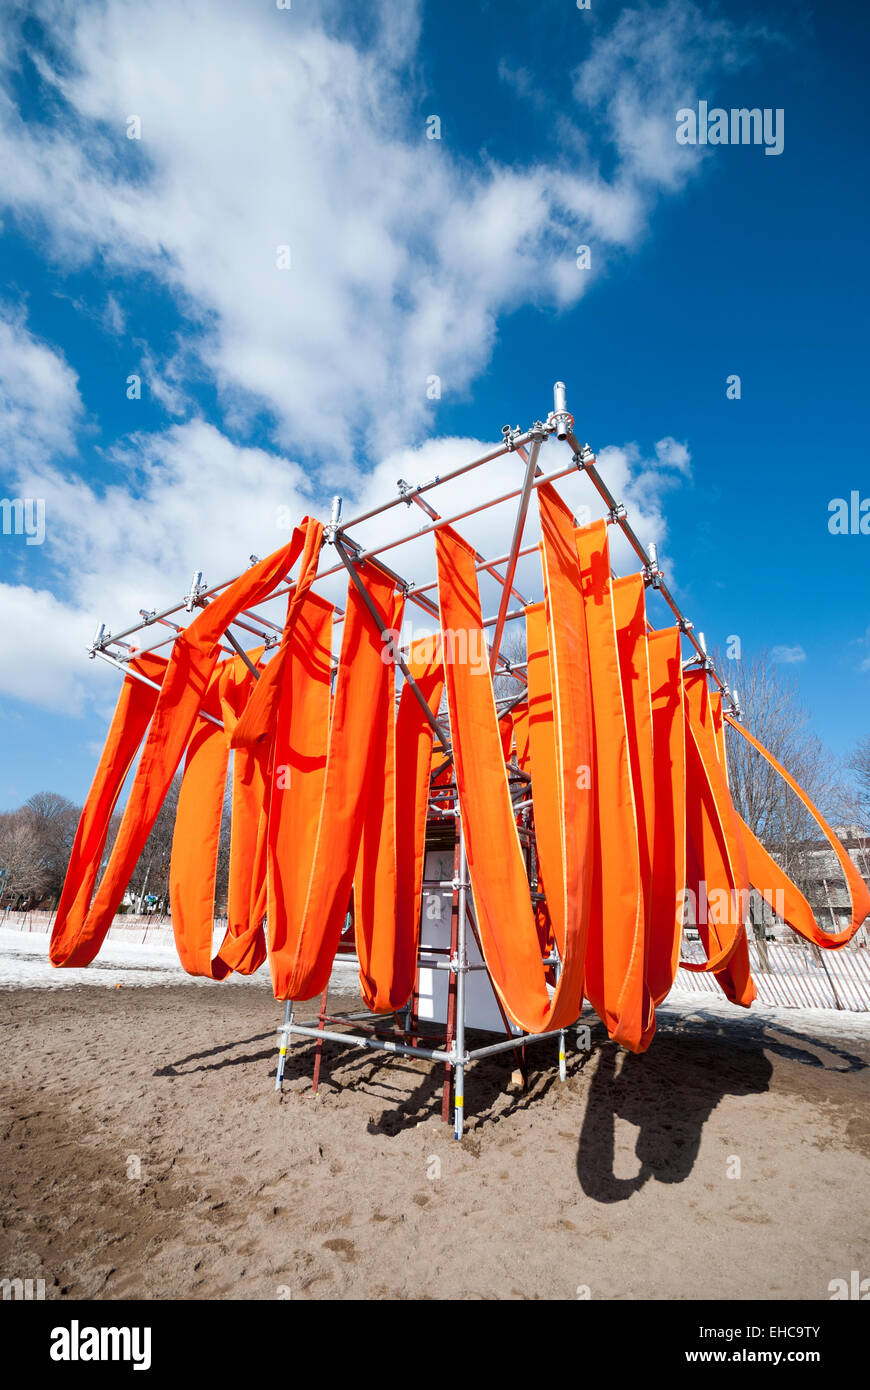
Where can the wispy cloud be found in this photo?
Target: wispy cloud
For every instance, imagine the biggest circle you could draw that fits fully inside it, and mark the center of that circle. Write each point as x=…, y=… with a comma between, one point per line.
x=40, y=405
x=178, y=505
x=264, y=128
x=788, y=656
x=261, y=128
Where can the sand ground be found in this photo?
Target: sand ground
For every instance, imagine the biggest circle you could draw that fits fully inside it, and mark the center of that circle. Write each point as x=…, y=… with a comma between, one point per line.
x=145, y=1153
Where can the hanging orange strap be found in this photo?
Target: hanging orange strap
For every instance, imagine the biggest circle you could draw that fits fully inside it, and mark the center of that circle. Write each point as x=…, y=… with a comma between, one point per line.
x=669, y=830
x=388, y=885
x=615, y=983
x=247, y=881
x=498, y=876
x=316, y=823
x=375, y=887
x=297, y=776
x=536, y=649
x=769, y=879
x=629, y=610
x=133, y=712
x=717, y=869
x=196, y=838
x=194, y=656
x=536, y=754
x=569, y=815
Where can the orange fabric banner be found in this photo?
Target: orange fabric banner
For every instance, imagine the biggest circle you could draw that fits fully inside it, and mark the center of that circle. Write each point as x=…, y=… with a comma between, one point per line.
x=718, y=872
x=567, y=806
x=669, y=830
x=388, y=887
x=383, y=964
x=536, y=648
x=615, y=981
x=322, y=809
x=194, y=656
x=629, y=609
x=131, y=718
x=196, y=839
x=500, y=886
x=632, y=812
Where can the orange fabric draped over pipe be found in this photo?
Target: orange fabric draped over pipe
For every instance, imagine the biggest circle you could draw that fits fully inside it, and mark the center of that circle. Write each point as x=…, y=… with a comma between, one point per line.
x=536, y=650
x=388, y=885
x=615, y=964
x=317, y=822
x=669, y=830
x=718, y=873
x=132, y=715
x=629, y=610
x=559, y=697
x=506, y=922
x=196, y=838
x=626, y=753
x=186, y=678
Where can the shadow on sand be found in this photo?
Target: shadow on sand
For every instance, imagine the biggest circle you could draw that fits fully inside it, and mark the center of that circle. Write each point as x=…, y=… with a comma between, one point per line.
x=669, y=1093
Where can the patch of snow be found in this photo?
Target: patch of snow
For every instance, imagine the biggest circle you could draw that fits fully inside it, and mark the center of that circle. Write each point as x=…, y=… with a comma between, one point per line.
x=124, y=959
x=130, y=962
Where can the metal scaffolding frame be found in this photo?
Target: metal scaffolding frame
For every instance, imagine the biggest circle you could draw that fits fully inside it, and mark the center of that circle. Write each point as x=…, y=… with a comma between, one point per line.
x=352, y=556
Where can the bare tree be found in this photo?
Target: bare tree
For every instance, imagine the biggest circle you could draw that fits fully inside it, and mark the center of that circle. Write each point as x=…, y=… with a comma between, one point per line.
x=54, y=820
x=773, y=712
x=859, y=765
x=513, y=648
x=21, y=861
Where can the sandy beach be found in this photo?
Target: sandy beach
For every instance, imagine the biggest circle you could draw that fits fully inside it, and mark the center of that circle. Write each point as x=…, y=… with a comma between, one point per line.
x=146, y=1154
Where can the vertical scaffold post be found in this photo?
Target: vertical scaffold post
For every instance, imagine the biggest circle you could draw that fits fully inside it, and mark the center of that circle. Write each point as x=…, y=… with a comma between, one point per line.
x=282, y=1050
x=451, y=981
x=563, y=1064
x=461, y=975
x=318, y=1050
x=560, y=410
x=511, y=569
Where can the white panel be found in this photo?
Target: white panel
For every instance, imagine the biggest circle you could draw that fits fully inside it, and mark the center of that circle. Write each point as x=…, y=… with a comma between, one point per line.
x=481, y=1008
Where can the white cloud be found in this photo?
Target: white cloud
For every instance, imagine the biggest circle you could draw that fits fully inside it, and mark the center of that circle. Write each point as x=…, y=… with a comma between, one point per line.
x=49, y=666
x=40, y=404
x=184, y=500
x=639, y=73
x=260, y=128
x=166, y=384
x=672, y=454
x=113, y=317
x=189, y=499
x=632, y=478
x=787, y=656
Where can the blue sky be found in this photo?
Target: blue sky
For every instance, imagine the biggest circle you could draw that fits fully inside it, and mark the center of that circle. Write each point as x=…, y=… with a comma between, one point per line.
x=409, y=257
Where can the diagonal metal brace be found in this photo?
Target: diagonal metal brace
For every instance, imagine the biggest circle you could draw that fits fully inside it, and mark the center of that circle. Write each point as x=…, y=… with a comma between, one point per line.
x=387, y=639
